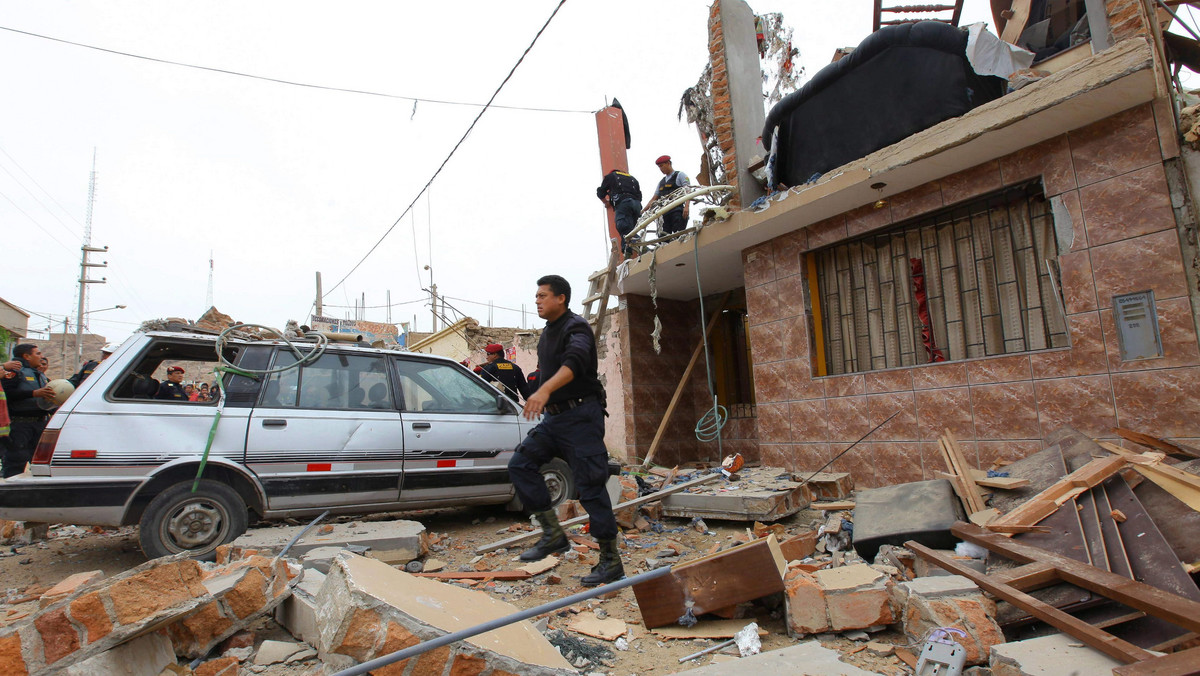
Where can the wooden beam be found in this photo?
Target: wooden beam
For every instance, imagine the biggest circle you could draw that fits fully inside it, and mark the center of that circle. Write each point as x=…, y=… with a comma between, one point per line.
x=1177, y=482
x=1138, y=595
x=1029, y=577
x=1097, y=638
x=1048, y=501
x=585, y=518
x=743, y=573
x=1183, y=663
x=1155, y=443
x=687, y=374
x=1006, y=483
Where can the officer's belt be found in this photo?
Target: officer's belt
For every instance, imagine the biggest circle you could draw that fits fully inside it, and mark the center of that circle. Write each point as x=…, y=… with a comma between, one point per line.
x=563, y=406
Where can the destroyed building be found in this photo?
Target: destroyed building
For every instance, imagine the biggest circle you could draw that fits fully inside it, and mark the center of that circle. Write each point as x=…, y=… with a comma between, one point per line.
x=1026, y=264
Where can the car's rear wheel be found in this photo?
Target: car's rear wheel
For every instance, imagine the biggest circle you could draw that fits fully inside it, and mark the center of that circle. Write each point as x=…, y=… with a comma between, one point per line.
x=559, y=481
x=178, y=520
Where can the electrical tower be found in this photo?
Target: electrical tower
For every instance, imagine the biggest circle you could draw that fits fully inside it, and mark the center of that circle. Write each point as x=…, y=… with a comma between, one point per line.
x=84, y=265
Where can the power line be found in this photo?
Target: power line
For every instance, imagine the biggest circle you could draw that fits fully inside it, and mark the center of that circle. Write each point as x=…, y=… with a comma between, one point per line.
x=34, y=221
x=452, y=151
x=35, y=197
x=292, y=83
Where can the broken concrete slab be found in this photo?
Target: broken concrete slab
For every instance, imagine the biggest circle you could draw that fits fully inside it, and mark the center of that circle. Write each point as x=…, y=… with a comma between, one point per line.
x=933, y=587
x=1048, y=656
x=146, y=655
x=539, y=567
x=298, y=612
x=816, y=661
x=274, y=652
x=608, y=629
x=761, y=494
x=367, y=609
x=389, y=541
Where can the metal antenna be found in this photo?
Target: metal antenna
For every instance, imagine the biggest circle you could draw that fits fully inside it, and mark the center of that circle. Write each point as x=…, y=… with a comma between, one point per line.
x=209, y=300
x=84, y=264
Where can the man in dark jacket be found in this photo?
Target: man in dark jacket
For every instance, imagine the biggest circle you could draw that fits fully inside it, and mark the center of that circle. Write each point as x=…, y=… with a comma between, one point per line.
x=173, y=389
x=621, y=191
x=90, y=365
x=509, y=375
x=572, y=399
x=28, y=402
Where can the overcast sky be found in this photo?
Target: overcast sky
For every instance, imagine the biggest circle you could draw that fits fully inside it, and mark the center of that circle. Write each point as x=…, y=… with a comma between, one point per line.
x=281, y=181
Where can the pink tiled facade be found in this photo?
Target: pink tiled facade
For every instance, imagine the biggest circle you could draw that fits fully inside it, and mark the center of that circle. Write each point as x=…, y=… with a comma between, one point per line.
x=1109, y=180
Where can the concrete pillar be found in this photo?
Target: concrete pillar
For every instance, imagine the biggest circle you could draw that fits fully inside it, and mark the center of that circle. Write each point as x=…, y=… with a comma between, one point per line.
x=610, y=130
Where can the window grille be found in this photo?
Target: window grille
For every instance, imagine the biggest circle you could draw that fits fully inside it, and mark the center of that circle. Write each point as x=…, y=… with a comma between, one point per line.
x=973, y=280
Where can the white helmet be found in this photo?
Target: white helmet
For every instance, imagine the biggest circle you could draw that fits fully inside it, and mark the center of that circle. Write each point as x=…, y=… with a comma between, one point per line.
x=109, y=348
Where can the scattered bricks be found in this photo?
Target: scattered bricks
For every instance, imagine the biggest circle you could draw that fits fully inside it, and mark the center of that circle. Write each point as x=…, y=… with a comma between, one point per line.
x=65, y=588
x=12, y=662
x=970, y=612
x=222, y=666
x=805, y=602
x=799, y=546
x=22, y=533
x=59, y=637
x=89, y=611
x=366, y=609
x=568, y=509
x=242, y=639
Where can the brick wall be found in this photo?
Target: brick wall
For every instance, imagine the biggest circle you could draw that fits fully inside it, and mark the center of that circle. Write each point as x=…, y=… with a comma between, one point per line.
x=722, y=104
x=1108, y=180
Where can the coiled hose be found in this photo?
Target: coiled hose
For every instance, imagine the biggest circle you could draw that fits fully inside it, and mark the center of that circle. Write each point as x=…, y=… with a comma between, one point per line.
x=708, y=428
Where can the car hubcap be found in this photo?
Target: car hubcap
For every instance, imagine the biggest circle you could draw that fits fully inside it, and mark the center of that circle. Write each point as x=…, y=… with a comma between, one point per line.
x=196, y=524
x=554, y=484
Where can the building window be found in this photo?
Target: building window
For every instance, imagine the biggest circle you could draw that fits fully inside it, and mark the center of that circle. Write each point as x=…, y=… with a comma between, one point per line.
x=975, y=280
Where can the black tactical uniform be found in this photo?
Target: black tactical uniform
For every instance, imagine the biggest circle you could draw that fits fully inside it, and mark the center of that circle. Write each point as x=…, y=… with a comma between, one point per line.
x=510, y=377
x=88, y=366
x=28, y=417
x=673, y=220
x=171, y=391
x=625, y=196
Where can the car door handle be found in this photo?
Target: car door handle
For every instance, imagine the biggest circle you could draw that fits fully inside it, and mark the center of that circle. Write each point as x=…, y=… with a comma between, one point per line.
x=421, y=426
x=274, y=422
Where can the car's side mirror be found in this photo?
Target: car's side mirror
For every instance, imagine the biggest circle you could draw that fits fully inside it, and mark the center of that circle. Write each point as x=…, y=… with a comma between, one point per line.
x=503, y=405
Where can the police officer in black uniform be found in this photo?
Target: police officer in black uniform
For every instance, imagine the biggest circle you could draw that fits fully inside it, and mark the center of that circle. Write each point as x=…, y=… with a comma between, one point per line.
x=621, y=191
x=572, y=399
x=90, y=365
x=28, y=396
x=675, y=219
x=172, y=389
x=509, y=375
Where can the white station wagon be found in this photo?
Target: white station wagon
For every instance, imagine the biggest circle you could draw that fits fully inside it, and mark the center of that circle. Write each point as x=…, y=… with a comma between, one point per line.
x=358, y=430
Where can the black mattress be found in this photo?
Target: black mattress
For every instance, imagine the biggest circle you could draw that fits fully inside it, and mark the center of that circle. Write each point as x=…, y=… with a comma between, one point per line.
x=900, y=80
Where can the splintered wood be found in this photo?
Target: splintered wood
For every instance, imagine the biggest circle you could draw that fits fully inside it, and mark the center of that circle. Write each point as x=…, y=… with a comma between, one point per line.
x=1175, y=481
x=962, y=478
x=1024, y=518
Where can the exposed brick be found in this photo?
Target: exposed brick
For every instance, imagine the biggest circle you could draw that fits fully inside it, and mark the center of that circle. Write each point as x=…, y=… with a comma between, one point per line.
x=361, y=635
x=59, y=638
x=89, y=611
x=222, y=666
x=468, y=665
x=64, y=588
x=242, y=639
x=199, y=629
x=11, y=660
x=247, y=597
x=156, y=589
x=859, y=609
x=397, y=638
x=805, y=604
x=432, y=663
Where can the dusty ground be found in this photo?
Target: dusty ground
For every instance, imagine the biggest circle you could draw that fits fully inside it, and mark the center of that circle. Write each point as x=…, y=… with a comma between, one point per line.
x=25, y=570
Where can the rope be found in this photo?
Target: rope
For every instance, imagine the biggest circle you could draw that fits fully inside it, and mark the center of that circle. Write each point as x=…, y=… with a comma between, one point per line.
x=710, y=424
x=225, y=366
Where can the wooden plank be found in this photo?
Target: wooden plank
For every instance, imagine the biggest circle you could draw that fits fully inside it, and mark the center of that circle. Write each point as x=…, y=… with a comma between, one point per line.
x=1047, y=502
x=1155, y=443
x=1100, y=640
x=1028, y=577
x=530, y=535
x=712, y=582
x=1006, y=483
x=1157, y=602
x=479, y=575
x=1183, y=663
x=683, y=381
x=964, y=470
x=833, y=506
x=1181, y=484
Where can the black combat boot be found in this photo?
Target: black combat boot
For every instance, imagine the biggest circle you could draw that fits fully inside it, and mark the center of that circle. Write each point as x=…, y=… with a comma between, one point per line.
x=553, y=541
x=608, y=569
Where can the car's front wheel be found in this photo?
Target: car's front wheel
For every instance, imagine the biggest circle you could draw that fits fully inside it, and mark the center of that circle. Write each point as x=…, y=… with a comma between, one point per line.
x=178, y=520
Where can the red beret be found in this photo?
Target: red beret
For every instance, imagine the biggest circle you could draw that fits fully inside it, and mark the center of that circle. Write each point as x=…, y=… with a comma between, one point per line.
x=173, y=369
x=664, y=158
x=494, y=348
x=478, y=369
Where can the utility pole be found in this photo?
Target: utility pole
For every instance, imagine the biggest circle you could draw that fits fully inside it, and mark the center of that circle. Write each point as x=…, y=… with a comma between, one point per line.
x=320, y=308
x=84, y=265
x=389, y=306
x=63, y=359
x=433, y=298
